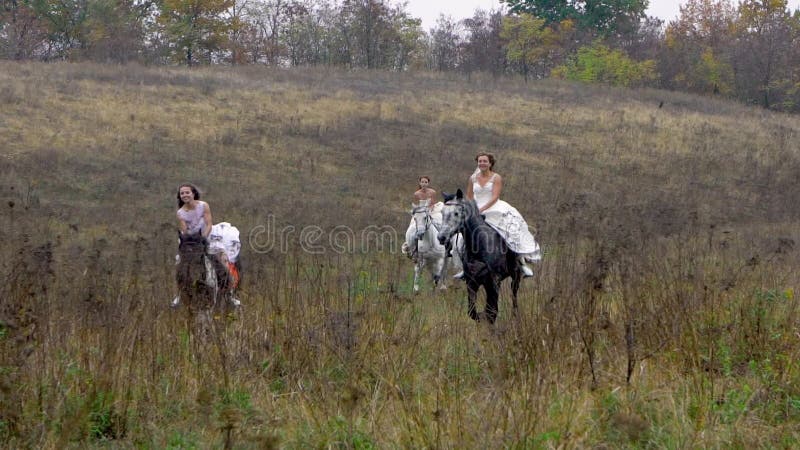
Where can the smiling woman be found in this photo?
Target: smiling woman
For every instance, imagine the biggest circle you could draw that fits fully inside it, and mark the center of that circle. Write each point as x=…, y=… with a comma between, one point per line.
x=194, y=215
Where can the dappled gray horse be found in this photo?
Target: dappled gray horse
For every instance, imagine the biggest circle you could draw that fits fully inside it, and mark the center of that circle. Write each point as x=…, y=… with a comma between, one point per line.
x=422, y=239
x=486, y=258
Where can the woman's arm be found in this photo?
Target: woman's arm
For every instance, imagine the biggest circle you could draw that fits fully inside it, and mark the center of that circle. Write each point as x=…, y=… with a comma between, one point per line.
x=181, y=224
x=431, y=199
x=207, y=219
x=470, y=194
x=497, y=188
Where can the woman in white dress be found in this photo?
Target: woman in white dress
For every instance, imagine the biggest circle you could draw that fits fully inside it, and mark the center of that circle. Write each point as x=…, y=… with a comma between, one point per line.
x=194, y=216
x=485, y=187
x=424, y=196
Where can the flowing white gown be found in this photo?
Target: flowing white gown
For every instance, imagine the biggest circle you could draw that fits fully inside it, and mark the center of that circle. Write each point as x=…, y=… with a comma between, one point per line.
x=507, y=221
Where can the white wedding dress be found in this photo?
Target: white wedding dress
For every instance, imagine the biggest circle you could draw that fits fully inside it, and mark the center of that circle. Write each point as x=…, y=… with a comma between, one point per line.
x=507, y=221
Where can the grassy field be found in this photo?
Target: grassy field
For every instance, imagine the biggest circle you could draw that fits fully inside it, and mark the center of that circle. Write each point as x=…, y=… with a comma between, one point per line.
x=662, y=316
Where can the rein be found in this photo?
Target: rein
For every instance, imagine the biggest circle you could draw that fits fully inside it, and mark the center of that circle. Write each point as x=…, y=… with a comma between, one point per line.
x=428, y=219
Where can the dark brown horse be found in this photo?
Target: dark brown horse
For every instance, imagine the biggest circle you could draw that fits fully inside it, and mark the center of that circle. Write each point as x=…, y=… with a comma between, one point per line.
x=204, y=282
x=487, y=260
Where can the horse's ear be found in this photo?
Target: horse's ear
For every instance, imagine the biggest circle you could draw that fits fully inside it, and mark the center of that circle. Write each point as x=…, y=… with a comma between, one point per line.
x=447, y=197
x=459, y=194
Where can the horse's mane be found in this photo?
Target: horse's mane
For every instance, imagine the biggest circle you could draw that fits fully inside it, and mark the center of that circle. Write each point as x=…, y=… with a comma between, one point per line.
x=471, y=207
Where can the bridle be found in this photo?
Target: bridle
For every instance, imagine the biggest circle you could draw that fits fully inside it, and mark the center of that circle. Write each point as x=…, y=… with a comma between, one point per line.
x=462, y=209
x=428, y=218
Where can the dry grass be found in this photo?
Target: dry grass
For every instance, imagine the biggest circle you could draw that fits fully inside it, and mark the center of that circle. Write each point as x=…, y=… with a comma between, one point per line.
x=663, y=315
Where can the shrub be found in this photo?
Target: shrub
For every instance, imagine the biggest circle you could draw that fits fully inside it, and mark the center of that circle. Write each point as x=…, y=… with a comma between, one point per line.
x=600, y=64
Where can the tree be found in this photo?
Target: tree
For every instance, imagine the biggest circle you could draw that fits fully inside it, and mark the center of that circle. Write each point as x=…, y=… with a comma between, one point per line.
x=374, y=34
x=697, y=48
x=766, y=34
x=22, y=32
x=533, y=45
x=65, y=21
x=310, y=34
x=600, y=64
x=444, y=46
x=645, y=43
x=483, y=47
x=605, y=17
x=265, y=28
x=408, y=41
x=237, y=16
x=194, y=26
x=114, y=29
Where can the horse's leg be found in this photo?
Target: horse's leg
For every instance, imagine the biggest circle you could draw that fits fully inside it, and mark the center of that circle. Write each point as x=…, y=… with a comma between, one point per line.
x=443, y=260
x=437, y=272
x=194, y=327
x=492, y=293
x=416, y=276
x=224, y=282
x=515, y=281
x=472, y=293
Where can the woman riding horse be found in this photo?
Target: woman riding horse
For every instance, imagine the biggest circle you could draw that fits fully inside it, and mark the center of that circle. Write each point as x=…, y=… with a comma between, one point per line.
x=424, y=196
x=194, y=217
x=485, y=187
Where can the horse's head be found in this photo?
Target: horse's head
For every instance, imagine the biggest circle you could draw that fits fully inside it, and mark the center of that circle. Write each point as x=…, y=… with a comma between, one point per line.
x=191, y=245
x=191, y=249
x=454, y=215
x=422, y=220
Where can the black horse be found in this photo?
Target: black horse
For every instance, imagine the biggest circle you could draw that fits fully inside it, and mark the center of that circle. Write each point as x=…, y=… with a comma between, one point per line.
x=202, y=279
x=487, y=260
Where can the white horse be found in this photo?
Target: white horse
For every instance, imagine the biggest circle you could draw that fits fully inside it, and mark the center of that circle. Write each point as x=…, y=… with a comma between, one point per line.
x=422, y=245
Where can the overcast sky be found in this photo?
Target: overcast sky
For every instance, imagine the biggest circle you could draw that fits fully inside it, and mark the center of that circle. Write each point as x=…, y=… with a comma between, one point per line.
x=429, y=10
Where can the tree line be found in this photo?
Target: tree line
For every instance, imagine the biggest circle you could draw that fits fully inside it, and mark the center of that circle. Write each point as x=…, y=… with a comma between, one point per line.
x=749, y=51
